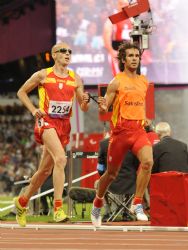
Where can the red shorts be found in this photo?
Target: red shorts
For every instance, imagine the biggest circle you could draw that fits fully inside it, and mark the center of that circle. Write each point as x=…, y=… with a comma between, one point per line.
x=62, y=127
x=127, y=135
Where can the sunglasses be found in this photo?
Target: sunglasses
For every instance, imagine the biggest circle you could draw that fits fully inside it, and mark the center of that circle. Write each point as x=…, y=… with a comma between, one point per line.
x=64, y=51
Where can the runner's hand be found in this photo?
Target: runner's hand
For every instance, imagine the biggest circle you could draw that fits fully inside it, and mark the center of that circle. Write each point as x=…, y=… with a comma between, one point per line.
x=102, y=104
x=85, y=98
x=38, y=113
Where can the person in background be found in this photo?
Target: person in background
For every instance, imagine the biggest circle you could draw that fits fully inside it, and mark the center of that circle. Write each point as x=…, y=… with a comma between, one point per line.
x=57, y=87
x=114, y=34
x=169, y=154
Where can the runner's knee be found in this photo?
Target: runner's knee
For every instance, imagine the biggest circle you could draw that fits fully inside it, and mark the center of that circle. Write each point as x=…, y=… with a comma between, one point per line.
x=112, y=174
x=47, y=172
x=41, y=175
x=60, y=161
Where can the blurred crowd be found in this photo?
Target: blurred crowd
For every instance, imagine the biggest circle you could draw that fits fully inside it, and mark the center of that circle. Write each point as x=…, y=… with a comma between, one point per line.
x=18, y=150
x=80, y=22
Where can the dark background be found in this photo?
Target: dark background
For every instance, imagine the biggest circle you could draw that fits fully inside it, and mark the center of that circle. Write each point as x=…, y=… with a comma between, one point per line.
x=27, y=29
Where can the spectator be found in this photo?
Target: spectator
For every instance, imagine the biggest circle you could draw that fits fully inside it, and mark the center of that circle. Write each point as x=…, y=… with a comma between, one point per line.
x=18, y=150
x=113, y=36
x=169, y=154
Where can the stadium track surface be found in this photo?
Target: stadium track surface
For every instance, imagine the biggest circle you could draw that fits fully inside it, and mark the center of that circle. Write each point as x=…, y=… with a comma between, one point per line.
x=37, y=238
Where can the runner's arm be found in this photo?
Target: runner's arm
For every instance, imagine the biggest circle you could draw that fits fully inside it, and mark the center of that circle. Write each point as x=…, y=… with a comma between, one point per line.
x=36, y=79
x=81, y=96
x=106, y=101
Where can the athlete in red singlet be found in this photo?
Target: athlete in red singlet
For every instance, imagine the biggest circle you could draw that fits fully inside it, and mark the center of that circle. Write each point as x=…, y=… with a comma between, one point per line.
x=114, y=34
x=57, y=87
x=127, y=93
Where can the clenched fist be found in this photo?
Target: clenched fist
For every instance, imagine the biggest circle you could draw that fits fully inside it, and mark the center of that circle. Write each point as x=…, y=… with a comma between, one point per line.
x=38, y=113
x=103, y=107
x=85, y=98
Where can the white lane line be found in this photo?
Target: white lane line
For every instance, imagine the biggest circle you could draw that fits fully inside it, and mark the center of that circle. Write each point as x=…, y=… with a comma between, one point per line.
x=92, y=228
x=97, y=243
x=104, y=234
x=88, y=238
x=10, y=248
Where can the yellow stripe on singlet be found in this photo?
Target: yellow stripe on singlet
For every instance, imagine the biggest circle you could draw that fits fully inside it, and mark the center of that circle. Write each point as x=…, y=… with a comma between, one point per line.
x=49, y=70
x=50, y=79
x=115, y=114
x=41, y=90
x=42, y=96
x=71, y=73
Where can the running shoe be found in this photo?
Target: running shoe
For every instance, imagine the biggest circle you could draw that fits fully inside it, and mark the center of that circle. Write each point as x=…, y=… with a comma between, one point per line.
x=139, y=212
x=96, y=216
x=20, y=213
x=60, y=215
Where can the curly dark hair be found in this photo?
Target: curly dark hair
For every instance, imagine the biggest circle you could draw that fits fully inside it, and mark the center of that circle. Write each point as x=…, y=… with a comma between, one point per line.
x=122, y=53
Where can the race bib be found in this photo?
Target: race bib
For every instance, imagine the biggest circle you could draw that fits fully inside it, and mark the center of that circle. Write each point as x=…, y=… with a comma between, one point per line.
x=40, y=122
x=59, y=109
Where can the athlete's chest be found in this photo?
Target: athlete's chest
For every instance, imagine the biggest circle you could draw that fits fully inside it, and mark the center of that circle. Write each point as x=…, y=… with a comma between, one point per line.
x=60, y=87
x=133, y=86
